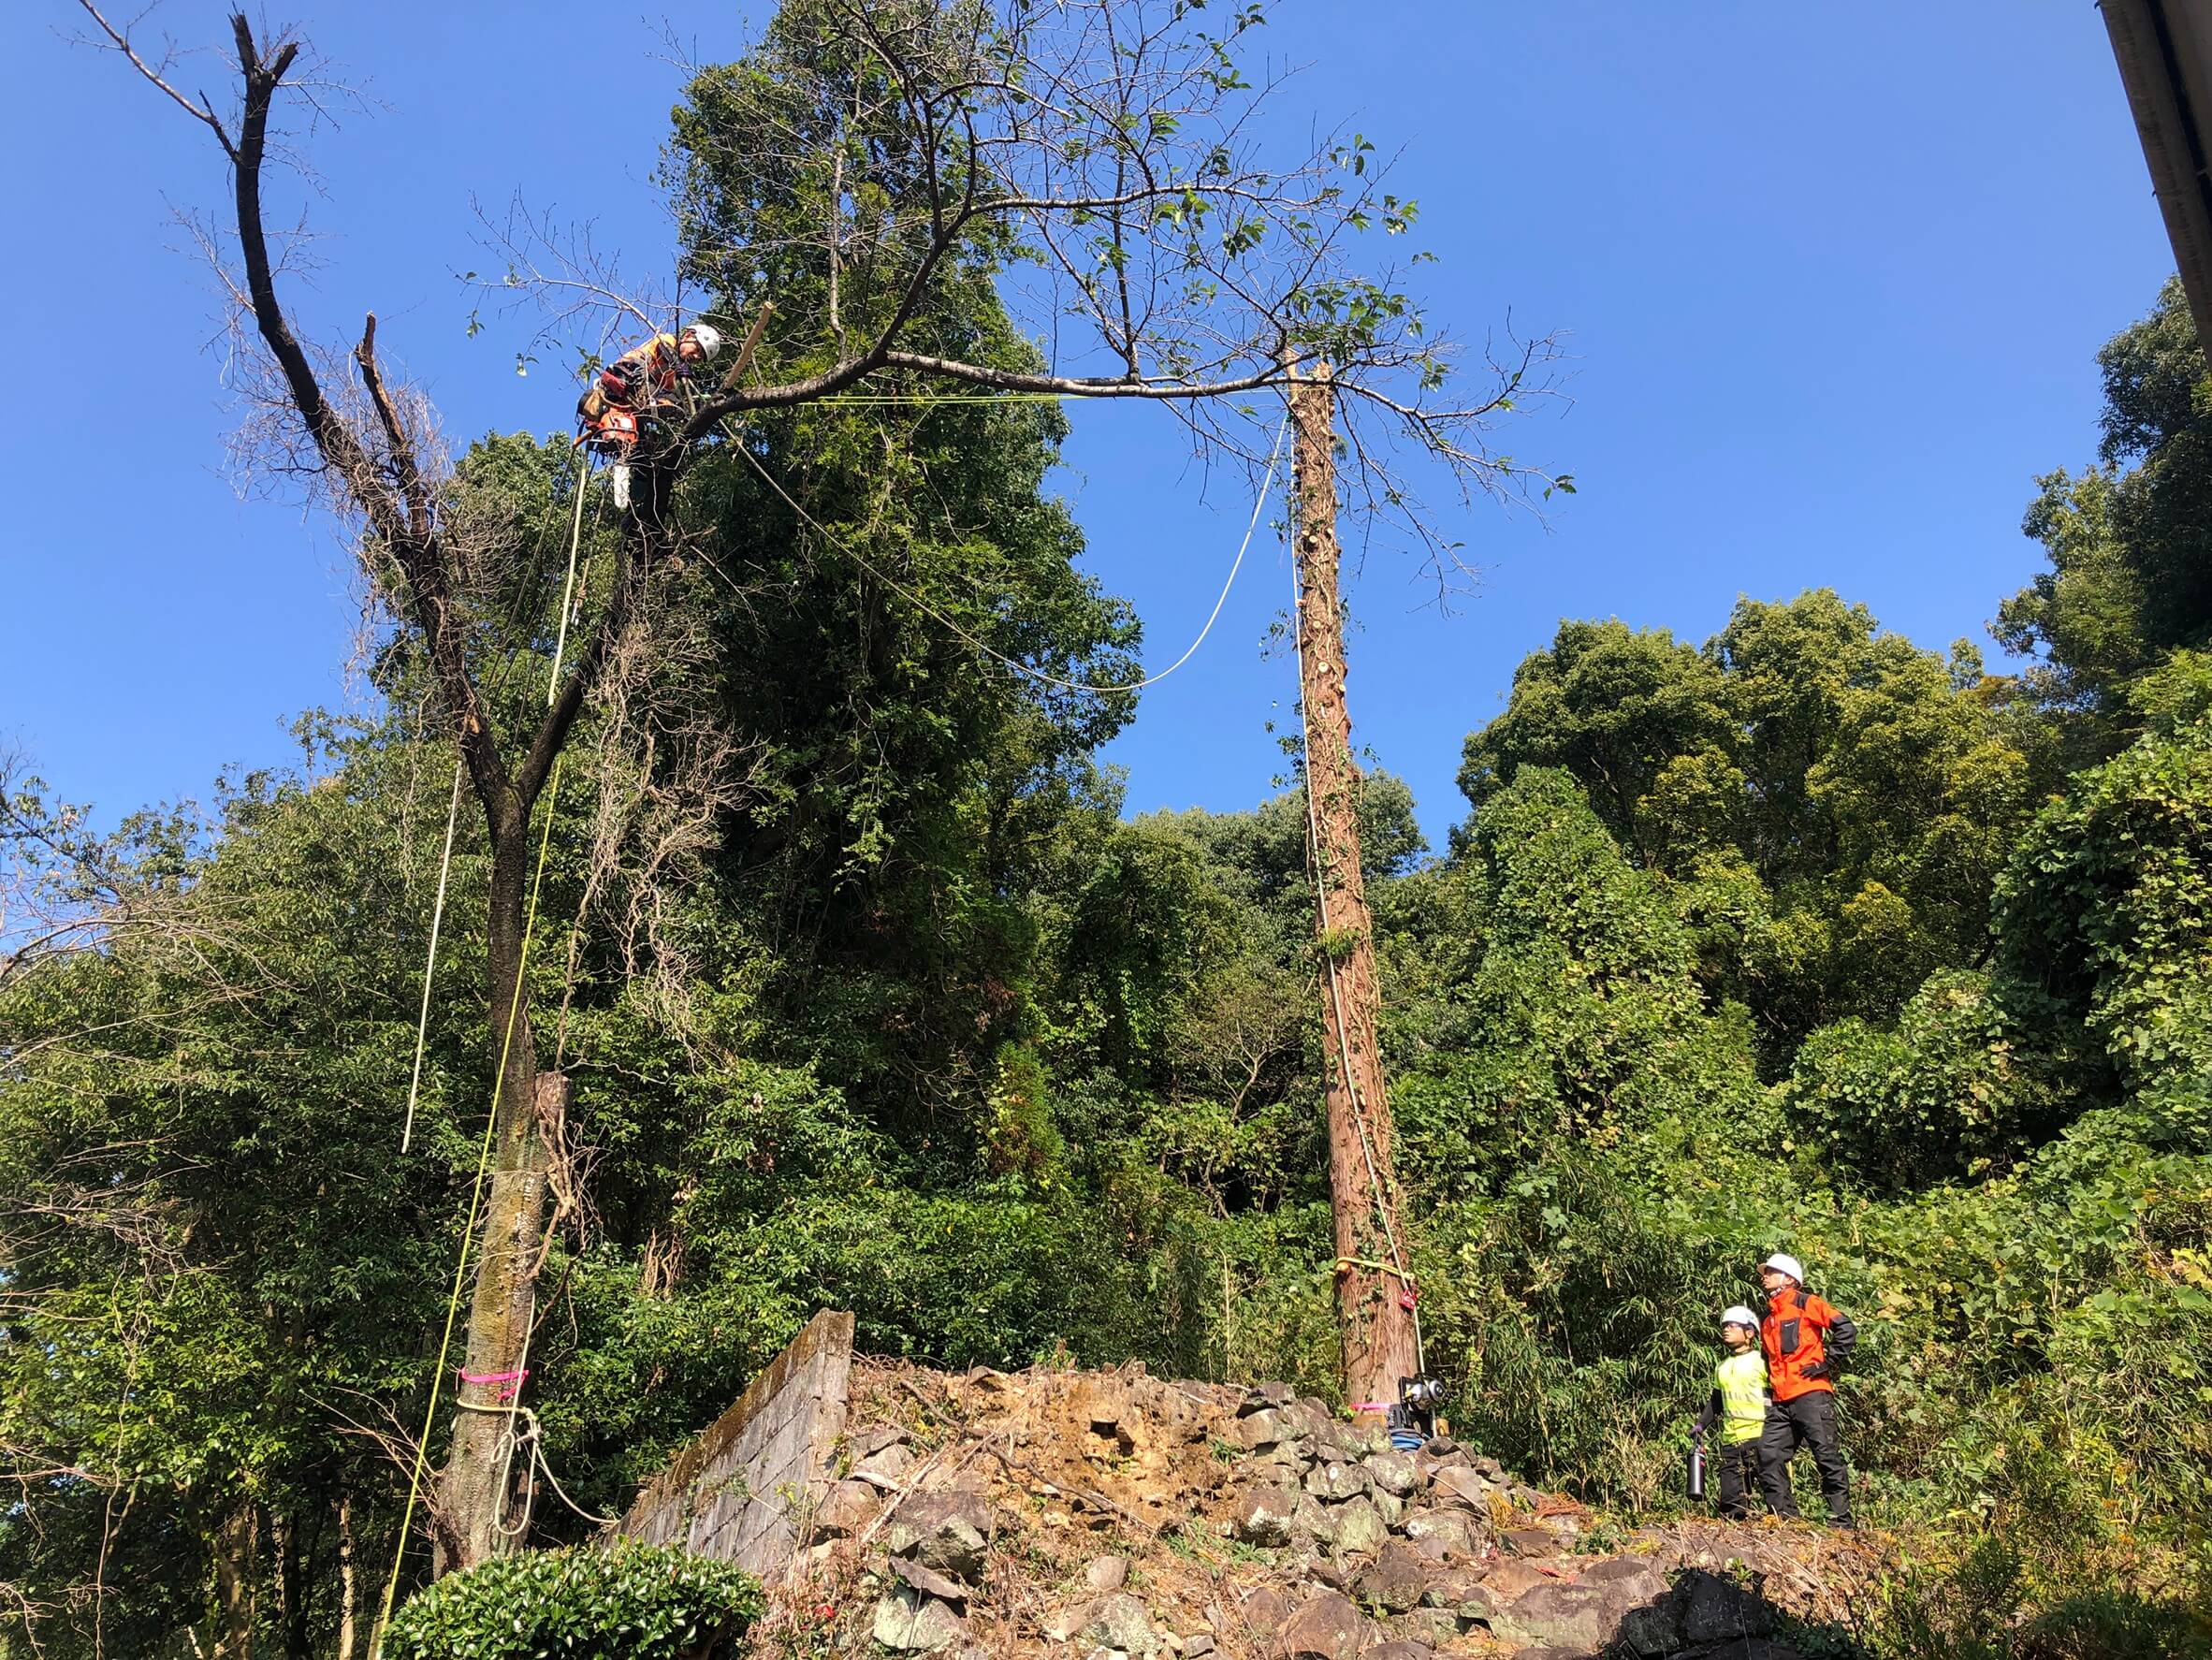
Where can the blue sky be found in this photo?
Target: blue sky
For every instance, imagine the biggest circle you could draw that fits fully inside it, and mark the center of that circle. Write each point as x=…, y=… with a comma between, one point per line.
x=1832, y=281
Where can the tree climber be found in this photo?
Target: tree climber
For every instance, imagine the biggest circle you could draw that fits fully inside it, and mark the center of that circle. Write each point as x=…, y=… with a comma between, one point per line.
x=1808, y=1342
x=632, y=386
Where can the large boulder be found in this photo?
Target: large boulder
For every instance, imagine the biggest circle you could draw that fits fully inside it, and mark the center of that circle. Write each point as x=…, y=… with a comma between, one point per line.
x=846, y=1508
x=1441, y=1534
x=1313, y=1520
x=1394, y=1473
x=929, y=1581
x=1106, y=1573
x=1650, y=1618
x=1263, y=1514
x=1327, y=1626
x=1579, y=1618
x=887, y=1466
x=1122, y=1622
x=1396, y=1580
x=912, y=1622
x=1264, y=1611
x=1334, y=1483
x=1256, y=1431
x=950, y=1532
x=1360, y=1527
x=1715, y=1609
x=1457, y=1485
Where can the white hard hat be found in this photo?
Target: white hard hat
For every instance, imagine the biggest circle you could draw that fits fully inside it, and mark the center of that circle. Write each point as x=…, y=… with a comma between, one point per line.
x=1783, y=1262
x=1740, y=1316
x=708, y=337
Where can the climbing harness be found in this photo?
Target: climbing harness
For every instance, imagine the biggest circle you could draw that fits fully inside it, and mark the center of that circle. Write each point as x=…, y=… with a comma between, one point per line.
x=1266, y=487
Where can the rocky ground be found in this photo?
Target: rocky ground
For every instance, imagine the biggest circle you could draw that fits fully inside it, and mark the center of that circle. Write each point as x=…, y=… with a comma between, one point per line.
x=1120, y=1517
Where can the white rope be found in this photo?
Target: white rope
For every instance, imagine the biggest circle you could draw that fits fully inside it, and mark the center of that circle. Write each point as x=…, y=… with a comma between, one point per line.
x=533, y=1436
x=1266, y=485
x=422, y=1024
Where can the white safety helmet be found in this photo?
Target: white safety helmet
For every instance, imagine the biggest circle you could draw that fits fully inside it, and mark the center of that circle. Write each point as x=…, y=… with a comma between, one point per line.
x=1740, y=1316
x=708, y=337
x=1783, y=1262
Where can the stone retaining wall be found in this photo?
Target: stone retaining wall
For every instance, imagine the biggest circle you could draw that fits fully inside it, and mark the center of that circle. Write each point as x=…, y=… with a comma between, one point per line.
x=732, y=1492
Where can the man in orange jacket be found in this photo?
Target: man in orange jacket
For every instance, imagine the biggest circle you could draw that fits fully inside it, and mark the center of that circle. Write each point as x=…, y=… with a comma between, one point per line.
x=634, y=384
x=1808, y=1342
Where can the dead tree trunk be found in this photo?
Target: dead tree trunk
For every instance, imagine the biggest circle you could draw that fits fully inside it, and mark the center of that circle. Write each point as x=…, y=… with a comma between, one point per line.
x=1372, y=1292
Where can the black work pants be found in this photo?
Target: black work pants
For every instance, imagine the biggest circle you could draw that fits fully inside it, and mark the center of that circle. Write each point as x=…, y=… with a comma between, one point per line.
x=1739, y=1467
x=1807, y=1421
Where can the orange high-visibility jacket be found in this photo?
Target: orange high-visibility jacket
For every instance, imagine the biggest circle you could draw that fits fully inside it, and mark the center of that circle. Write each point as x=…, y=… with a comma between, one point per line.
x=1803, y=1333
x=658, y=364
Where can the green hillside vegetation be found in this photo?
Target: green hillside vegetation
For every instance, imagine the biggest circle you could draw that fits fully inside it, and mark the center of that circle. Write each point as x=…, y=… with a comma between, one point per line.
x=1805, y=937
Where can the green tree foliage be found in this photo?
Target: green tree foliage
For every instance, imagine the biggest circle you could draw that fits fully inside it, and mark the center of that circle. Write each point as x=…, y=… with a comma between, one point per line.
x=1829, y=803
x=2010, y=1185
x=1943, y=1093
x=2104, y=919
x=1800, y=938
x=2129, y=551
x=210, y=1239
x=1546, y=998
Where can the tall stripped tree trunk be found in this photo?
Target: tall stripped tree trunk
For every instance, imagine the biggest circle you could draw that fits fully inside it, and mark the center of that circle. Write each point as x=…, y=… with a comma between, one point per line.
x=473, y=1494
x=1373, y=1292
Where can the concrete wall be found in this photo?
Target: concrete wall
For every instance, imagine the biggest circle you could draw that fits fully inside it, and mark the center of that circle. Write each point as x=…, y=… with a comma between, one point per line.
x=729, y=1494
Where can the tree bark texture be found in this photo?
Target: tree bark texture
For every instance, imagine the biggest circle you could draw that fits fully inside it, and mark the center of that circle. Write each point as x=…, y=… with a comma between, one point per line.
x=473, y=1496
x=1373, y=1318
x=346, y=1594
x=236, y=1548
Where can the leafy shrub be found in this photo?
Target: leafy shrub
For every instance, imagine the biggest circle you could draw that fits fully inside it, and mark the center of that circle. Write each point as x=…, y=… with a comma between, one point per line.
x=1988, y=1604
x=2105, y=915
x=1564, y=1004
x=633, y=1602
x=1943, y=1091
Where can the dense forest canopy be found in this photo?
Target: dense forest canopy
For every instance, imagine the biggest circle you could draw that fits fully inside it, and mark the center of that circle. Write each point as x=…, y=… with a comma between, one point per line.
x=1806, y=936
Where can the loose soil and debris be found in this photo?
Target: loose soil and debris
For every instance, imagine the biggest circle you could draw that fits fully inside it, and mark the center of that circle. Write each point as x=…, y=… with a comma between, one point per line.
x=1115, y=1516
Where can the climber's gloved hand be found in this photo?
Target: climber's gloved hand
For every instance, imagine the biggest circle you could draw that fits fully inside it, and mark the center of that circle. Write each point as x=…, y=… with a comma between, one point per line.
x=1820, y=1369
